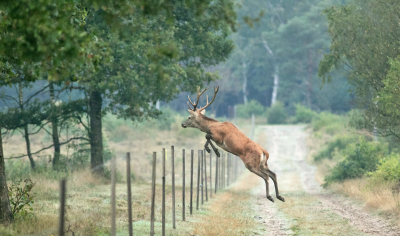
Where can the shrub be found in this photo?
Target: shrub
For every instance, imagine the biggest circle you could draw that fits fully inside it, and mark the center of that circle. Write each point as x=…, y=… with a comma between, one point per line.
x=245, y=111
x=388, y=169
x=303, y=114
x=21, y=198
x=166, y=119
x=277, y=114
x=360, y=158
x=326, y=120
x=338, y=143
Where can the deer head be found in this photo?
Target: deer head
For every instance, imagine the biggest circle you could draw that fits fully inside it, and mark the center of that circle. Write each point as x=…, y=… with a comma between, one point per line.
x=196, y=117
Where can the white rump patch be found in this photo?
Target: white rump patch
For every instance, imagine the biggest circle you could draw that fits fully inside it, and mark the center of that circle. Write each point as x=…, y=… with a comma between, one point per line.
x=263, y=158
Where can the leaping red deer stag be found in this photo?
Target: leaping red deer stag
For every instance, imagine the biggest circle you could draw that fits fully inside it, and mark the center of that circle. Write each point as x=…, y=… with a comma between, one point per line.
x=229, y=138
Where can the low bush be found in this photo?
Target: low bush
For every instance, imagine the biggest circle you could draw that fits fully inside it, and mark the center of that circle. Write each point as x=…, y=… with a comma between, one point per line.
x=245, y=111
x=21, y=197
x=327, y=120
x=304, y=114
x=338, y=143
x=360, y=158
x=388, y=169
x=277, y=114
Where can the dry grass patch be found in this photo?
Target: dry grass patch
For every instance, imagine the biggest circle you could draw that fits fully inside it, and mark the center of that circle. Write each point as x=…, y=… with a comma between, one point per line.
x=229, y=213
x=310, y=217
x=384, y=196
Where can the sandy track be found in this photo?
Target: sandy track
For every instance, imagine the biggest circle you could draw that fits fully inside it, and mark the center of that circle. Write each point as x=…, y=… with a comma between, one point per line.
x=309, y=209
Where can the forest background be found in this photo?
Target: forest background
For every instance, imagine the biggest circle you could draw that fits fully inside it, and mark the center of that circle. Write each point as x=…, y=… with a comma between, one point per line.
x=69, y=67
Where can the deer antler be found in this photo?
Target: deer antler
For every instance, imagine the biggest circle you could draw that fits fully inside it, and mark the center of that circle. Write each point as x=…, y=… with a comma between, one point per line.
x=215, y=94
x=198, y=98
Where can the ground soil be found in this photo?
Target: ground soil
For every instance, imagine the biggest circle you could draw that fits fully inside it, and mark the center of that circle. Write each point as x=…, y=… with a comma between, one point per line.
x=308, y=209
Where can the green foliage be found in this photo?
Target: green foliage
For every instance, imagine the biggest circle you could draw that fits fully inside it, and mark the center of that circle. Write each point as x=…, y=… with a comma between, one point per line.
x=367, y=50
x=21, y=198
x=79, y=158
x=288, y=40
x=330, y=122
x=277, y=114
x=359, y=159
x=339, y=143
x=303, y=114
x=388, y=169
x=245, y=111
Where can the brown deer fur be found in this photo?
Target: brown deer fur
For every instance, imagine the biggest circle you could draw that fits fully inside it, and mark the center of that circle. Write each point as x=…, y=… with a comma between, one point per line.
x=232, y=140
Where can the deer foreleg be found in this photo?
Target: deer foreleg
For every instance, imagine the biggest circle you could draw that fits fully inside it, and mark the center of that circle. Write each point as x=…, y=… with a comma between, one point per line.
x=206, y=146
x=208, y=137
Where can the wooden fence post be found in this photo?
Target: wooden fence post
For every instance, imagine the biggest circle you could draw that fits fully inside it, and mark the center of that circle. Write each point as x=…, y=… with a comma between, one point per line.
x=236, y=163
x=163, y=193
x=219, y=171
x=113, y=227
x=191, y=182
x=128, y=183
x=227, y=168
x=202, y=179
x=62, y=207
x=211, y=175
x=153, y=193
x=198, y=179
x=205, y=173
x=183, y=184
x=216, y=174
x=224, y=170
x=173, y=186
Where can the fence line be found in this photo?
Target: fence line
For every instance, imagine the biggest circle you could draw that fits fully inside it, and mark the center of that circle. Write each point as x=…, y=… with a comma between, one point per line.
x=224, y=168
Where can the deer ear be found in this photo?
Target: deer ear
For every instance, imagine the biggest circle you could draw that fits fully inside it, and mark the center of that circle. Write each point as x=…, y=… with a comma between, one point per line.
x=191, y=112
x=203, y=112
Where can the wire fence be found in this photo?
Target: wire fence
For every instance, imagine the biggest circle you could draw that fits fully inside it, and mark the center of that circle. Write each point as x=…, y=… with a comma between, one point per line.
x=212, y=176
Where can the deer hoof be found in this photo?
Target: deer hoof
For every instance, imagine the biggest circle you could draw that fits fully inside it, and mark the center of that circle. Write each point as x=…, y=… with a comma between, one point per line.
x=270, y=198
x=281, y=198
x=217, y=152
x=208, y=149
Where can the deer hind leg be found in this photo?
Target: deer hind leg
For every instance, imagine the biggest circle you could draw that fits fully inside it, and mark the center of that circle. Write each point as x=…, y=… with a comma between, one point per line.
x=265, y=178
x=272, y=175
x=208, y=137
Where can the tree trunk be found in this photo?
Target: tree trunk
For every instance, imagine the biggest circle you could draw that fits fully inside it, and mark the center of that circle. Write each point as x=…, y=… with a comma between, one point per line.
x=276, y=84
x=244, y=83
x=310, y=74
x=6, y=215
x=26, y=134
x=28, y=147
x=276, y=73
x=96, y=138
x=54, y=124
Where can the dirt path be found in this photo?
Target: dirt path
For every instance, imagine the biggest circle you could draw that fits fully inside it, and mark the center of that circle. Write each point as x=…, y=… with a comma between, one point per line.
x=308, y=210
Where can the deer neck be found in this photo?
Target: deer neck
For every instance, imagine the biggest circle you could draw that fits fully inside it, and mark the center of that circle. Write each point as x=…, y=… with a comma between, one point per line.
x=205, y=124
